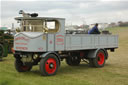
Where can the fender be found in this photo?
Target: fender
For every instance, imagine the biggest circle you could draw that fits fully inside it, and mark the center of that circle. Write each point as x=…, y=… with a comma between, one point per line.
x=92, y=53
x=45, y=54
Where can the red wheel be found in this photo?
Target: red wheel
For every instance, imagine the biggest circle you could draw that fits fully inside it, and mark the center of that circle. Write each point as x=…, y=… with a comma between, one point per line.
x=49, y=65
x=99, y=61
x=22, y=68
x=100, y=58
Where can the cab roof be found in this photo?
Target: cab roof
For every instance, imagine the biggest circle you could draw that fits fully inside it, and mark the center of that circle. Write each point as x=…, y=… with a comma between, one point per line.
x=38, y=18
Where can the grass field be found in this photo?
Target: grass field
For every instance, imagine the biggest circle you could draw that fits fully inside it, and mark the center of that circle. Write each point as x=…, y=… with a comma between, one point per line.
x=115, y=71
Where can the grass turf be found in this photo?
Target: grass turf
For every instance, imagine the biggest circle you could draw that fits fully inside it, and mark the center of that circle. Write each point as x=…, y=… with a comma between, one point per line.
x=115, y=71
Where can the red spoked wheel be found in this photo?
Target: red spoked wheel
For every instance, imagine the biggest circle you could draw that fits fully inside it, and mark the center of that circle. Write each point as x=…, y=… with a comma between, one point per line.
x=20, y=67
x=99, y=61
x=49, y=65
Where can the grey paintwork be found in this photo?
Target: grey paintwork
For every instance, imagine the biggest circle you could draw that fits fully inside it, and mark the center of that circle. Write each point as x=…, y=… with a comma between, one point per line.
x=85, y=41
x=60, y=41
x=67, y=42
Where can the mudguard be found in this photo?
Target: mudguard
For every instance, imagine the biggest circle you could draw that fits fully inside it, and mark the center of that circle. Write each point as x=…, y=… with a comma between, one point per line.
x=92, y=53
x=45, y=55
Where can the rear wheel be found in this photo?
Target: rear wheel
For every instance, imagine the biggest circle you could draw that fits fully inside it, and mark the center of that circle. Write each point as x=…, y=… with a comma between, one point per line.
x=99, y=61
x=20, y=67
x=49, y=65
x=73, y=59
x=1, y=51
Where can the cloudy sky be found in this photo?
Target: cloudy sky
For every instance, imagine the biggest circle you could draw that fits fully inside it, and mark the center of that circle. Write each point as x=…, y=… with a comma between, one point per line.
x=75, y=11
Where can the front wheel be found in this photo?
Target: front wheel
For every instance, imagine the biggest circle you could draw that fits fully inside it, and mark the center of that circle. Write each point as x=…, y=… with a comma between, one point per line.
x=20, y=67
x=49, y=65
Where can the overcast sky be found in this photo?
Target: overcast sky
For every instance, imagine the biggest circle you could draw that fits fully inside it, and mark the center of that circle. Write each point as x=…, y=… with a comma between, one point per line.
x=75, y=11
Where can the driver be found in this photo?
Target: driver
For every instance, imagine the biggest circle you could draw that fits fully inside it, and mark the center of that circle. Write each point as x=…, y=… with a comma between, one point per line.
x=94, y=30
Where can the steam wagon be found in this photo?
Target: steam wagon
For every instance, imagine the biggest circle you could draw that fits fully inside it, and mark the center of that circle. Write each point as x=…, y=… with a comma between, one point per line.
x=44, y=41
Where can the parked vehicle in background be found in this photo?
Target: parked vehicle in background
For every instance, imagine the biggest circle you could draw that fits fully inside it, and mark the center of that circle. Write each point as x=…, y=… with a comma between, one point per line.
x=44, y=41
x=6, y=42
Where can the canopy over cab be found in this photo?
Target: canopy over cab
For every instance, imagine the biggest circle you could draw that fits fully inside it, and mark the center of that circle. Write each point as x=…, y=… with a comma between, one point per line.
x=41, y=24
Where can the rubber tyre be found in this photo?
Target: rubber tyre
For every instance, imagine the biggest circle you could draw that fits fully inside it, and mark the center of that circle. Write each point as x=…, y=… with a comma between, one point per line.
x=99, y=61
x=73, y=60
x=22, y=68
x=45, y=63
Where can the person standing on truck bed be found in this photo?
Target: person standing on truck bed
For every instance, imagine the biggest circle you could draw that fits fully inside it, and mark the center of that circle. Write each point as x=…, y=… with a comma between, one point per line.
x=94, y=30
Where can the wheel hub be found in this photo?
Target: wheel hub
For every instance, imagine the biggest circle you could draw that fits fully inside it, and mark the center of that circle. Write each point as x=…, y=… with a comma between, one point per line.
x=24, y=67
x=51, y=65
